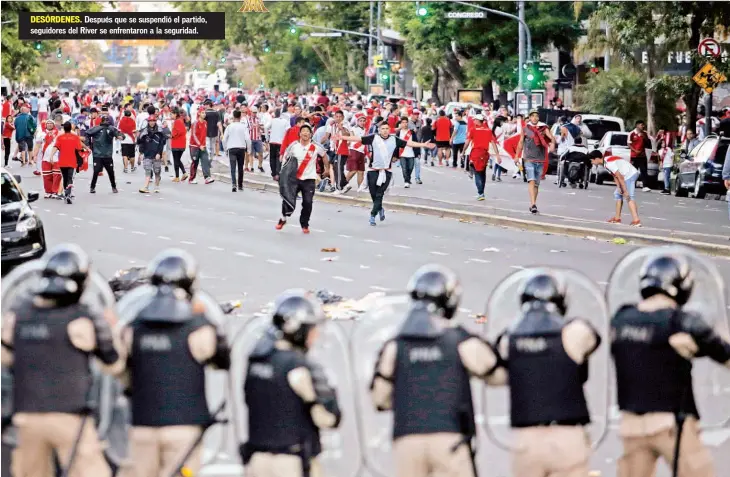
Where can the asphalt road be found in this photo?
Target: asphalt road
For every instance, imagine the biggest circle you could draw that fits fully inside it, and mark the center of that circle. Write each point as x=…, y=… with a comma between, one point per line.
x=241, y=255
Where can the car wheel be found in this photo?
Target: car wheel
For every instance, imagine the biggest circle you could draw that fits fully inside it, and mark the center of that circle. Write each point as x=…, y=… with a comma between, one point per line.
x=599, y=181
x=678, y=190
x=699, y=191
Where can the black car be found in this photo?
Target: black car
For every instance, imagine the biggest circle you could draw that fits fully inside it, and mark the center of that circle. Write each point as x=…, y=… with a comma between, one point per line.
x=700, y=171
x=22, y=230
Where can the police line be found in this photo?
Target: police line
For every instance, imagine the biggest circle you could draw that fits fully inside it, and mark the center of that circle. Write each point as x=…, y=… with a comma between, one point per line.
x=348, y=353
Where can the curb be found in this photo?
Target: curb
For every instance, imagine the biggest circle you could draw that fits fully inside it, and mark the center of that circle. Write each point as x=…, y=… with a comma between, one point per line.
x=504, y=221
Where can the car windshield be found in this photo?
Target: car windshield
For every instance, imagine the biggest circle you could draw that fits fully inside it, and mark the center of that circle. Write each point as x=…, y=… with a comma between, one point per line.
x=619, y=139
x=599, y=127
x=10, y=191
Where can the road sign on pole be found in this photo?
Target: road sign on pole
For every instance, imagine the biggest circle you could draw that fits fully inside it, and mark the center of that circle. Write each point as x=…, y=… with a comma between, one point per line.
x=370, y=72
x=709, y=48
x=708, y=77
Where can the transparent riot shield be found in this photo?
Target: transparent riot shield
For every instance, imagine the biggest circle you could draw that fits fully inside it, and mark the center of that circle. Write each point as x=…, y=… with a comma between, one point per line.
x=340, y=447
x=584, y=300
x=112, y=396
x=708, y=299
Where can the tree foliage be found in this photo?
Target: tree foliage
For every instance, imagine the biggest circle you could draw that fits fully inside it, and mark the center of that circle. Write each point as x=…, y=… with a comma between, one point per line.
x=20, y=60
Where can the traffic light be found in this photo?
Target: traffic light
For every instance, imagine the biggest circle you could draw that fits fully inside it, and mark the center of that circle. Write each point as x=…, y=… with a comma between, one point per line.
x=210, y=63
x=293, y=30
x=421, y=11
x=38, y=46
x=267, y=48
x=76, y=65
x=68, y=60
x=168, y=74
x=240, y=84
x=534, y=78
x=59, y=54
x=384, y=76
x=313, y=80
x=223, y=59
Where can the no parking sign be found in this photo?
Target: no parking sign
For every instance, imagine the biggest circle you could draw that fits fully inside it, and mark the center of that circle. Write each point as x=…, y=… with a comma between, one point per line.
x=709, y=48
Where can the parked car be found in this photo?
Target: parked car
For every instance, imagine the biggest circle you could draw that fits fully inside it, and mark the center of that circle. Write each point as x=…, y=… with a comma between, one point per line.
x=600, y=125
x=700, y=171
x=451, y=107
x=23, y=237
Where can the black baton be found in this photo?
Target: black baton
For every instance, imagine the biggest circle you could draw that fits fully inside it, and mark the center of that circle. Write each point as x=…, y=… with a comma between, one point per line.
x=75, y=447
x=214, y=420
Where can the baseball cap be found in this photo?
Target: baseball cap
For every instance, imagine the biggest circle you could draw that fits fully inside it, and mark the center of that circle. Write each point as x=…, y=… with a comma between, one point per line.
x=479, y=117
x=533, y=111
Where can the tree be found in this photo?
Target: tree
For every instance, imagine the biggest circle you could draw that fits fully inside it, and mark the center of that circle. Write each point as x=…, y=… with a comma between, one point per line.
x=20, y=59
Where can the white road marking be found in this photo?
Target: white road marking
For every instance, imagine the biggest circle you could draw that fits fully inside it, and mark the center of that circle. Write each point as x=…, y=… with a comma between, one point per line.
x=344, y=236
x=372, y=241
x=681, y=206
x=588, y=210
x=364, y=267
x=114, y=227
x=62, y=214
x=464, y=310
x=244, y=254
x=271, y=221
x=46, y=210
x=692, y=223
x=656, y=218
x=78, y=218
x=651, y=203
x=490, y=249
x=162, y=237
x=137, y=232
x=310, y=270
x=517, y=267
x=602, y=283
x=275, y=262
x=378, y=288
x=319, y=231
x=401, y=246
x=93, y=223
x=186, y=242
x=441, y=254
x=342, y=279
x=216, y=249
x=478, y=260
x=251, y=216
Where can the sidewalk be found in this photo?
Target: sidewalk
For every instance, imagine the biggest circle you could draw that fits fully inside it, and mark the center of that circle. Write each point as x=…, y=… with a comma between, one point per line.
x=449, y=193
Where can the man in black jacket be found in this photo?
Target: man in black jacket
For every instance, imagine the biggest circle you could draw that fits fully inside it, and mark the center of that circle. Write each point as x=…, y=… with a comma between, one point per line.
x=151, y=143
x=102, y=147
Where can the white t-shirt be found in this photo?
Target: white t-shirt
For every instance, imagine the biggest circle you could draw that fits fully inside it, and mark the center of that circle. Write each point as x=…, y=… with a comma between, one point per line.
x=142, y=120
x=407, y=151
x=279, y=126
x=299, y=151
x=615, y=164
x=43, y=105
x=357, y=146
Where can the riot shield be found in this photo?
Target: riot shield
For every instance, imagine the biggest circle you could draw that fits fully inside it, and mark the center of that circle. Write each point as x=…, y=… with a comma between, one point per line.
x=340, y=447
x=584, y=300
x=708, y=299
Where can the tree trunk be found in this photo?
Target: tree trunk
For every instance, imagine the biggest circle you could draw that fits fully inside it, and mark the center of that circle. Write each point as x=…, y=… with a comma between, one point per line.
x=650, y=94
x=693, y=98
x=502, y=97
x=488, y=92
x=435, y=86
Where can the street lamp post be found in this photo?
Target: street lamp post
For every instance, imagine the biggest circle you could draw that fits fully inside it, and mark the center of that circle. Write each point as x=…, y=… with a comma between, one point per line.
x=528, y=37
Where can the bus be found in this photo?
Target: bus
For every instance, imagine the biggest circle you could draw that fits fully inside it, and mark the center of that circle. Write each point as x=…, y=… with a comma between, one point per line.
x=69, y=84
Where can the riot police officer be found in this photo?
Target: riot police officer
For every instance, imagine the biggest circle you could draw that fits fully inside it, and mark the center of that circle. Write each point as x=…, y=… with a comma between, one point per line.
x=656, y=399
x=288, y=396
x=170, y=340
x=423, y=375
x=546, y=358
x=48, y=340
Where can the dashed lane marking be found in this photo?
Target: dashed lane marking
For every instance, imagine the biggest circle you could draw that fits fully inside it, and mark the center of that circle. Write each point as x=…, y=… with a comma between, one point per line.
x=588, y=210
x=401, y=246
x=251, y=217
x=62, y=214
x=342, y=279
x=93, y=223
x=275, y=262
x=372, y=241
x=364, y=267
x=656, y=218
x=216, y=249
x=78, y=218
x=186, y=242
x=270, y=221
x=244, y=254
x=162, y=237
x=114, y=227
x=464, y=310
x=319, y=231
x=440, y=254
x=517, y=267
x=344, y=236
x=309, y=270
x=477, y=260
x=377, y=288
x=46, y=210
x=137, y=232
x=692, y=223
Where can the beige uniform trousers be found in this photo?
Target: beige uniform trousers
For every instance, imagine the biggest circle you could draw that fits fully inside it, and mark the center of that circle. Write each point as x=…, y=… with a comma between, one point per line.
x=430, y=455
x=555, y=451
x=156, y=451
x=264, y=464
x=40, y=434
x=641, y=453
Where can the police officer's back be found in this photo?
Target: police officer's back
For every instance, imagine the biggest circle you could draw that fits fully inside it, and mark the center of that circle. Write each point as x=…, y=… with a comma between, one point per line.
x=546, y=358
x=653, y=343
x=170, y=342
x=48, y=341
x=287, y=395
x=423, y=376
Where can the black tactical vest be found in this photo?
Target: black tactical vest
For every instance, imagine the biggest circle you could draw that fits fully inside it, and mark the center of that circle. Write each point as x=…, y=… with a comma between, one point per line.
x=546, y=385
x=51, y=374
x=431, y=391
x=278, y=420
x=168, y=384
x=650, y=375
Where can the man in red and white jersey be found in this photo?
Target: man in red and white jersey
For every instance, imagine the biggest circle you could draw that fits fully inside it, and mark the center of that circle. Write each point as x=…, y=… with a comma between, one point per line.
x=625, y=176
x=356, y=157
x=340, y=148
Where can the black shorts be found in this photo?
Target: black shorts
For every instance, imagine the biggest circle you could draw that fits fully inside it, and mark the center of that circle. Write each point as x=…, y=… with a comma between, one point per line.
x=127, y=150
x=442, y=144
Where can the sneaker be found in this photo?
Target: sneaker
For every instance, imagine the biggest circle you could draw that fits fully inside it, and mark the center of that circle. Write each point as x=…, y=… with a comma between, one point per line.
x=233, y=189
x=114, y=190
x=175, y=179
x=494, y=178
x=157, y=190
x=382, y=214
x=432, y=165
x=36, y=173
x=665, y=192
x=614, y=220
x=636, y=223
x=330, y=189
x=281, y=224
x=533, y=210
x=134, y=168
x=408, y=185
x=480, y=197
x=193, y=181
x=125, y=170
x=144, y=190
x=347, y=189
x=305, y=230
x=48, y=196
x=646, y=189
x=209, y=180
x=184, y=177
x=499, y=179
x=92, y=191
x=372, y=221
x=261, y=169
x=419, y=181
x=68, y=200
x=167, y=168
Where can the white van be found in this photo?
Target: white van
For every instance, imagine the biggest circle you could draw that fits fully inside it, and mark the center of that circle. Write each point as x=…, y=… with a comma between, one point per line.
x=600, y=125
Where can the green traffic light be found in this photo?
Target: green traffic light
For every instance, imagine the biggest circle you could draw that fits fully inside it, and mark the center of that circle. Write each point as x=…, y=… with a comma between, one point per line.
x=422, y=12
x=168, y=74
x=38, y=45
x=68, y=61
x=313, y=80
x=240, y=83
x=293, y=30
x=266, y=49
x=530, y=77
x=223, y=59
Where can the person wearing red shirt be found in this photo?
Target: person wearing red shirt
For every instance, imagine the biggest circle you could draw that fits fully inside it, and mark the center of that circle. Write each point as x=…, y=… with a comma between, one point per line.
x=442, y=129
x=178, y=144
x=8, y=130
x=340, y=148
x=198, y=152
x=479, y=139
x=323, y=100
x=638, y=143
x=291, y=135
x=128, y=126
x=67, y=145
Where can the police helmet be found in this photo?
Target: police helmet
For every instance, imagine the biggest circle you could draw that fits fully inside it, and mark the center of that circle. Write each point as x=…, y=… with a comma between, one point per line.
x=174, y=268
x=64, y=274
x=295, y=313
x=437, y=285
x=544, y=288
x=669, y=276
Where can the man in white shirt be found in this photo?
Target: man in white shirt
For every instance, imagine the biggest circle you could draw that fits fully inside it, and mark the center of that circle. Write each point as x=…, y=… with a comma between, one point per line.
x=277, y=130
x=406, y=154
x=356, y=158
x=236, y=140
x=625, y=176
x=299, y=174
